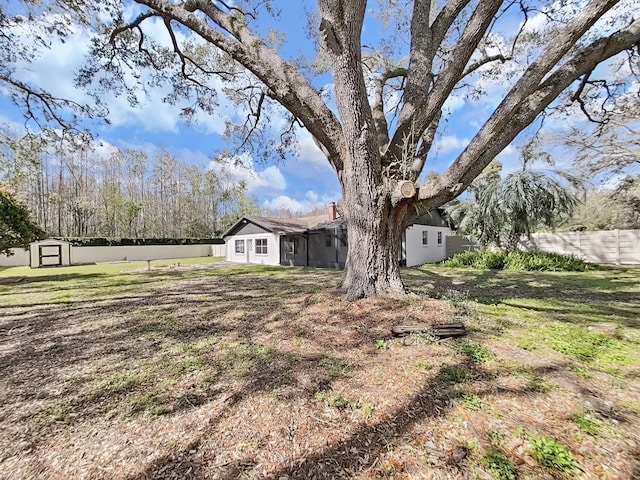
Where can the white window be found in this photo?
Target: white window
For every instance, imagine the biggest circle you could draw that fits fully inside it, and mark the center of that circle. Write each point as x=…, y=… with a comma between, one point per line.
x=439, y=238
x=425, y=238
x=239, y=246
x=261, y=246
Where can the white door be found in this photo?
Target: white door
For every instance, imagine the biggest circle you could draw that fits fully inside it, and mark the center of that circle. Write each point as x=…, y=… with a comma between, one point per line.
x=249, y=248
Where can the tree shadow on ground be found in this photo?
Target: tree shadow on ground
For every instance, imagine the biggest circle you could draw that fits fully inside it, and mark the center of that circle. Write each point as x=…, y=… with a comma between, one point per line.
x=84, y=359
x=360, y=451
x=221, y=339
x=499, y=284
x=575, y=295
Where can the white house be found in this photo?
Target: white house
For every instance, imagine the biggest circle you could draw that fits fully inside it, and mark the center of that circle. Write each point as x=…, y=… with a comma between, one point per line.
x=321, y=241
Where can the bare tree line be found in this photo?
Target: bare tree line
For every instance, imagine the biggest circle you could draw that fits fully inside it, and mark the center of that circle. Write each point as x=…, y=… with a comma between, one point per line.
x=76, y=192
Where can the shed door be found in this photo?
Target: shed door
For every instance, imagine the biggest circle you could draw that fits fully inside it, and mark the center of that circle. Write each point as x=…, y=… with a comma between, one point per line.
x=50, y=255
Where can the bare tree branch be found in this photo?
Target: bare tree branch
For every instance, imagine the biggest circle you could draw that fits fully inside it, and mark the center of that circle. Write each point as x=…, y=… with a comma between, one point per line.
x=377, y=106
x=491, y=139
x=424, y=108
x=285, y=82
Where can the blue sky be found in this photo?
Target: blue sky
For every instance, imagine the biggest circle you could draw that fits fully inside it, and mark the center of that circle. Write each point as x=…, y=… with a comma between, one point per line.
x=300, y=182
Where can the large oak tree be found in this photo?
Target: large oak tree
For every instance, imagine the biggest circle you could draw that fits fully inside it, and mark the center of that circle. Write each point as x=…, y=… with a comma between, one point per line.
x=378, y=151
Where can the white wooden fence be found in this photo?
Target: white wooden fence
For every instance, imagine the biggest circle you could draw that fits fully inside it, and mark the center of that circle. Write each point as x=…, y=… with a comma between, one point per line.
x=619, y=247
x=122, y=253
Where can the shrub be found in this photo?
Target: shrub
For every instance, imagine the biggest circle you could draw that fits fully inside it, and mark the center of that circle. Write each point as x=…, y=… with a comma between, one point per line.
x=482, y=259
x=500, y=465
x=530, y=261
x=475, y=351
x=545, y=261
x=553, y=455
x=452, y=374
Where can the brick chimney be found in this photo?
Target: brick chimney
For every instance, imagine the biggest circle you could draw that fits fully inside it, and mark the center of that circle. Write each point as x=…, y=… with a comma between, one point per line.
x=332, y=212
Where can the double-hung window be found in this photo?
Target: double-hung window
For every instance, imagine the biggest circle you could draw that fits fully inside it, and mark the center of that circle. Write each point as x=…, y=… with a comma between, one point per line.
x=425, y=238
x=439, y=238
x=261, y=246
x=239, y=246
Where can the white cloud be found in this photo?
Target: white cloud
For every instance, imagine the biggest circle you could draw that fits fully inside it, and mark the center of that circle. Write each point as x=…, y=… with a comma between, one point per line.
x=54, y=70
x=309, y=151
x=310, y=201
x=451, y=143
x=453, y=103
x=510, y=159
x=241, y=168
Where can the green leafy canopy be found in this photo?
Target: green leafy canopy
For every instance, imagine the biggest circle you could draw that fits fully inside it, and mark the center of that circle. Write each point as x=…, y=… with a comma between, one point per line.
x=16, y=227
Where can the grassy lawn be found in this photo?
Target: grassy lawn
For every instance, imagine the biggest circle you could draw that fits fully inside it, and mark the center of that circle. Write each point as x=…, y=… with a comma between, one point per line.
x=195, y=371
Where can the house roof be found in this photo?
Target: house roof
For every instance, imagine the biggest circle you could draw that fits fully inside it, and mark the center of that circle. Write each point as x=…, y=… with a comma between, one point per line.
x=279, y=226
x=287, y=226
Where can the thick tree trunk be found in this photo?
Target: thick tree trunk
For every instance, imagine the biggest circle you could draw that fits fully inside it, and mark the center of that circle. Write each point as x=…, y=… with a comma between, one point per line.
x=375, y=235
x=374, y=226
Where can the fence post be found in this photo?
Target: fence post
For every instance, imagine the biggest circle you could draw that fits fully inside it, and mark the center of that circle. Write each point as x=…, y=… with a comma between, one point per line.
x=617, y=247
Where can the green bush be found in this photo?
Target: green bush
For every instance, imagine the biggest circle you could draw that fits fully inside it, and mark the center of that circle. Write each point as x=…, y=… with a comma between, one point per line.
x=116, y=242
x=553, y=455
x=545, y=261
x=499, y=465
x=530, y=261
x=482, y=259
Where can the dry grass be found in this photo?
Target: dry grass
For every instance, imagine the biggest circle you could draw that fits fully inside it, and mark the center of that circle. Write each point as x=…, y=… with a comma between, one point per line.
x=265, y=373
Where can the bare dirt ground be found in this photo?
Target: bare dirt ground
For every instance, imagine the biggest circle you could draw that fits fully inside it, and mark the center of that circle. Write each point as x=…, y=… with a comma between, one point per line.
x=268, y=374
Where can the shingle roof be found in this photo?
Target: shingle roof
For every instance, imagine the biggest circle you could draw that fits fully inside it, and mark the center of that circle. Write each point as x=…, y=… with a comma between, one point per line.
x=281, y=226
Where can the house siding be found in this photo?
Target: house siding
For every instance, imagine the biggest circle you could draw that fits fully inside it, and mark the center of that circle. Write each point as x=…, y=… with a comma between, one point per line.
x=272, y=257
x=417, y=253
x=251, y=229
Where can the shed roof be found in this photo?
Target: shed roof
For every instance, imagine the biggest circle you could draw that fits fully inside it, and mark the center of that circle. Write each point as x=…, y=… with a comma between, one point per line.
x=50, y=241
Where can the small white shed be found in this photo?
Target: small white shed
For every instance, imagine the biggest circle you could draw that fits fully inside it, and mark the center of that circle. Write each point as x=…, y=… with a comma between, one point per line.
x=50, y=253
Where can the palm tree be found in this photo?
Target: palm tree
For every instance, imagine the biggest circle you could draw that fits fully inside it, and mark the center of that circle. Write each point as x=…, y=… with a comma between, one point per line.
x=523, y=202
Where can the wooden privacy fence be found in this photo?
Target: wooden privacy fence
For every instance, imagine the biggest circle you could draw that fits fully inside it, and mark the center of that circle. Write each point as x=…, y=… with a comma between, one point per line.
x=619, y=247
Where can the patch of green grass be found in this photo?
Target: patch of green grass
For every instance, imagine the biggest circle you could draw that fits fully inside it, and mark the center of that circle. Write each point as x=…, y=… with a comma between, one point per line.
x=201, y=345
x=246, y=358
x=499, y=465
x=576, y=342
x=477, y=352
x=367, y=409
x=424, y=366
x=298, y=342
x=191, y=364
x=538, y=384
x=470, y=401
x=453, y=374
x=122, y=381
x=152, y=405
x=496, y=437
x=553, y=455
x=334, y=400
x=588, y=423
x=381, y=345
x=335, y=367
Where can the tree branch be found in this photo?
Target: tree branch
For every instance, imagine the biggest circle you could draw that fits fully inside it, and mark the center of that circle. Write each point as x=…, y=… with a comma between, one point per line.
x=377, y=107
x=285, y=82
x=483, y=61
x=419, y=112
x=496, y=135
